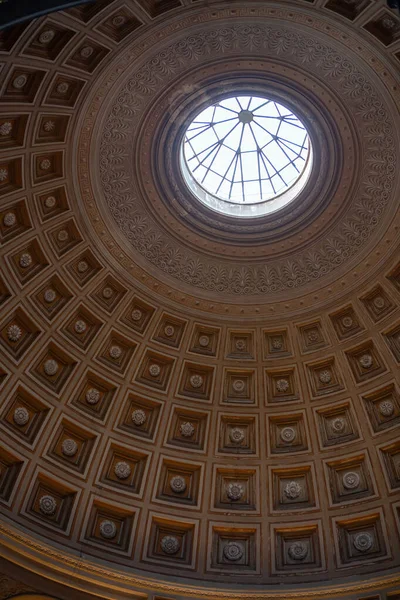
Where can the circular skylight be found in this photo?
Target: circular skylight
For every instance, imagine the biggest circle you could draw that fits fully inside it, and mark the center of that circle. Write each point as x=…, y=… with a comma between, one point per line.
x=246, y=156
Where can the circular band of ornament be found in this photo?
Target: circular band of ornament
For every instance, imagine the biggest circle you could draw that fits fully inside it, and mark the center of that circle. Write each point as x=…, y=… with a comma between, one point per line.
x=346, y=72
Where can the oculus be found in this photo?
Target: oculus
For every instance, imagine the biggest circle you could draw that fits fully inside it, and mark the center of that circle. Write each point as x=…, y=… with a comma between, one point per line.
x=246, y=156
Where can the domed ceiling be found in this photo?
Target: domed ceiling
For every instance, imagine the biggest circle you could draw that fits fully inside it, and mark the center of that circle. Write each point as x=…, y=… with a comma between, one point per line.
x=192, y=403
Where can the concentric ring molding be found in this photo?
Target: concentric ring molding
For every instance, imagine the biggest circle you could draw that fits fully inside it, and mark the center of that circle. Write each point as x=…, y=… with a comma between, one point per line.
x=284, y=407
x=288, y=275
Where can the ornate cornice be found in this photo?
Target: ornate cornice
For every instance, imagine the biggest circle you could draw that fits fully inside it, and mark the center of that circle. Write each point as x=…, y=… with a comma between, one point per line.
x=80, y=574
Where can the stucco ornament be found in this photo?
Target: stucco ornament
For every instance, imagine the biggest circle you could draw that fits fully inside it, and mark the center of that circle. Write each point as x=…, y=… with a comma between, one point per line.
x=63, y=235
x=277, y=343
x=298, y=551
x=234, y=491
x=86, y=52
x=9, y=219
x=282, y=385
x=233, y=551
x=115, y=352
x=139, y=417
x=288, y=434
x=69, y=447
x=21, y=416
x=363, y=541
x=292, y=490
x=236, y=435
x=119, y=20
x=325, y=376
x=82, y=266
x=63, y=88
x=386, y=408
x=204, y=341
x=338, y=425
x=6, y=128
x=50, y=202
x=347, y=322
x=107, y=293
x=45, y=164
x=187, y=429
x=169, y=331
x=20, y=82
x=46, y=36
x=154, y=370
x=351, y=480
x=80, y=326
x=92, y=396
x=170, y=544
x=196, y=381
x=240, y=345
x=47, y=505
x=49, y=126
x=49, y=295
x=366, y=361
x=108, y=529
x=122, y=469
x=51, y=367
x=238, y=385
x=178, y=484
x=25, y=260
x=14, y=333
x=350, y=233
x=3, y=174
x=379, y=302
x=136, y=314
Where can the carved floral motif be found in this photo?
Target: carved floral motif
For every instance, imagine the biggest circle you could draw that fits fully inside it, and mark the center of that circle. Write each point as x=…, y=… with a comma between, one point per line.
x=347, y=236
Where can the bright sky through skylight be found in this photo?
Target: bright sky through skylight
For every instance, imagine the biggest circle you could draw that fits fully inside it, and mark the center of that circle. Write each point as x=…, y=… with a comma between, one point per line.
x=246, y=149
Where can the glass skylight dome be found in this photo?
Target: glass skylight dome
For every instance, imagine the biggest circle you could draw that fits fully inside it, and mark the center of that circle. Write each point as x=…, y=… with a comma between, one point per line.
x=246, y=156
